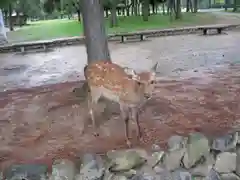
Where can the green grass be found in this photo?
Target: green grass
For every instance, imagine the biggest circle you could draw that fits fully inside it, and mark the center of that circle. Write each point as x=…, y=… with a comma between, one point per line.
x=43, y=30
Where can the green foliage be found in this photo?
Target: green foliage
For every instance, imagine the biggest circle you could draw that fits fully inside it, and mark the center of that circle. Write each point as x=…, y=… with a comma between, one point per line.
x=65, y=28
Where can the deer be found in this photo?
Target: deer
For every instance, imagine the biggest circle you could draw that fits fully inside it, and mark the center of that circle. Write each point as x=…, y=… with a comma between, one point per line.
x=121, y=85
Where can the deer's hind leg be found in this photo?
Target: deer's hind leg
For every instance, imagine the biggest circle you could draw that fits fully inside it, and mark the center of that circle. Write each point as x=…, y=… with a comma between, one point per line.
x=93, y=98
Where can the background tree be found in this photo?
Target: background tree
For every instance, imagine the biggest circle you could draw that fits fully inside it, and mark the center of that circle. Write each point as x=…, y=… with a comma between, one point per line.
x=94, y=31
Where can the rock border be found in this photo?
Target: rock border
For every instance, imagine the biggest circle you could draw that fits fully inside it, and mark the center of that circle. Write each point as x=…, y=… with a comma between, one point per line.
x=36, y=45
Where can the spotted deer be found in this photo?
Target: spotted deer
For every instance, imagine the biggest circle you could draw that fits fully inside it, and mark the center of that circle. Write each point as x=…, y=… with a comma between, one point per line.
x=121, y=85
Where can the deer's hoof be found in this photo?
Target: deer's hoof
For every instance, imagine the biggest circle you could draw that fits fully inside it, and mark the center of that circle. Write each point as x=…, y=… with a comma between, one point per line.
x=129, y=143
x=96, y=134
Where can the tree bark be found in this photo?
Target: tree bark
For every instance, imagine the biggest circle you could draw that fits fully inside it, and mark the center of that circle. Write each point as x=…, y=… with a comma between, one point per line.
x=135, y=7
x=113, y=22
x=163, y=8
x=10, y=19
x=145, y=9
x=79, y=15
x=94, y=31
x=238, y=157
x=189, y=6
x=178, y=9
x=234, y=5
x=195, y=6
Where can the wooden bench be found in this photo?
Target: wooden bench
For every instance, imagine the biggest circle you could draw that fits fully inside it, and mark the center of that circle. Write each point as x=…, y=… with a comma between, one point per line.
x=34, y=45
x=219, y=28
x=124, y=36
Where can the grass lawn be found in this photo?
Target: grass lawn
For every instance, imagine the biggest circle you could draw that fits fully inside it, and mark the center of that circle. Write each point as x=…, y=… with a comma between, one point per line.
x=43, y=30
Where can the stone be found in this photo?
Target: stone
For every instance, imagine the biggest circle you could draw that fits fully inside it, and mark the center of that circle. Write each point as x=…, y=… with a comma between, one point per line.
x=145, y=176
x=92, y=168
x=156, y=158
x=26, y=171
x=63, y=169
x=213, y=175
x=202, y=169
x=146, y=173
x=172, y=159
x=116, y=177
x=197, y=147
x=225, y=162
x=176, y=142
x=125, y=160
x=225, y=143
x=229, y=176
x=166, y=175
x=181, y=174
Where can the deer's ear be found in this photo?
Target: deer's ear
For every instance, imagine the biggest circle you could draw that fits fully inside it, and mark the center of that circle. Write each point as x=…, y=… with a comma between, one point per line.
x=154, y=68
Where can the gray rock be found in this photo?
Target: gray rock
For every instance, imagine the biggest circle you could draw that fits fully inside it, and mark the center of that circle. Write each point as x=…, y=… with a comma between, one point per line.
x=145, y=176
x=229, y=176
x=213, y=175
x=63, y=169
x=176, y=143
x=26, y=171
x=156, y=158
x=181, y=174
x=172, y=159
x=225, y=143
x=125, y=160
x=146, y=173
x=92, y=168
x=204, y=168
x=166, y=175
x=225, y=162
x=115, y=177
x=197, y=148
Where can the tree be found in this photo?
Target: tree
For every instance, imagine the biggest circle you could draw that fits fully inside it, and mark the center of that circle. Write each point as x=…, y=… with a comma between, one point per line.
x=145, y=9
x=178, y=9
x=189, y=6
x=195, y=4
x=94, y=31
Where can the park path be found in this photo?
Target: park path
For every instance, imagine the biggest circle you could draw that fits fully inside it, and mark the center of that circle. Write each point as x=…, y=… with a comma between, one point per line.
x=198, y=90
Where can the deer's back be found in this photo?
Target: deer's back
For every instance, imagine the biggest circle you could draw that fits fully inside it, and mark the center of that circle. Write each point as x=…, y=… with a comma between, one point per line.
x=112, y=81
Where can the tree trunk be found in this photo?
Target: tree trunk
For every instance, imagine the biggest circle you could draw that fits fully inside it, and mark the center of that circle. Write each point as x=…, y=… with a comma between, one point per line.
x=113, y=22
x=234, y=5
x=79, y=15
x=178, y=9
x=195, y=9
x=135, y=7
x=94, y=31
x=189, y=6
x=10, y=19
x=238, y=158
x=145, y=10
x=163, y=8
x=106, y=13
x=153, y=8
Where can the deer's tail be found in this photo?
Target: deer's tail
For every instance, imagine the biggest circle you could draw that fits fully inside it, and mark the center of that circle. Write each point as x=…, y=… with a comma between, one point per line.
x=85, y=84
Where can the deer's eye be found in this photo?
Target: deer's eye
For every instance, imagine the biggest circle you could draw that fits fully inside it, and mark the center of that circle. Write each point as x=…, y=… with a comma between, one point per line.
x=152, y=82
x=139, y=83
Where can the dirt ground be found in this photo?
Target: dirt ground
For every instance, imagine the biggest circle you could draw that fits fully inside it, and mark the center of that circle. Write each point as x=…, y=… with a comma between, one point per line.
x=198, y=90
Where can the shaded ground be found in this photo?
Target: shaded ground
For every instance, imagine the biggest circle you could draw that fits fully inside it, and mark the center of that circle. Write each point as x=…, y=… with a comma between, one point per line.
x=197, y=91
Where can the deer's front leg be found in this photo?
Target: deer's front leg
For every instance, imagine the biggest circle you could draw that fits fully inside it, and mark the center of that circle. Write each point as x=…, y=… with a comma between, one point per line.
x=125, y=117
x=135, y=114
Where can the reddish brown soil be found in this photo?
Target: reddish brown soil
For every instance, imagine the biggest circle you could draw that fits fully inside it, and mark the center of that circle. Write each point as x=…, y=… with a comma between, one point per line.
x=43, y=123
